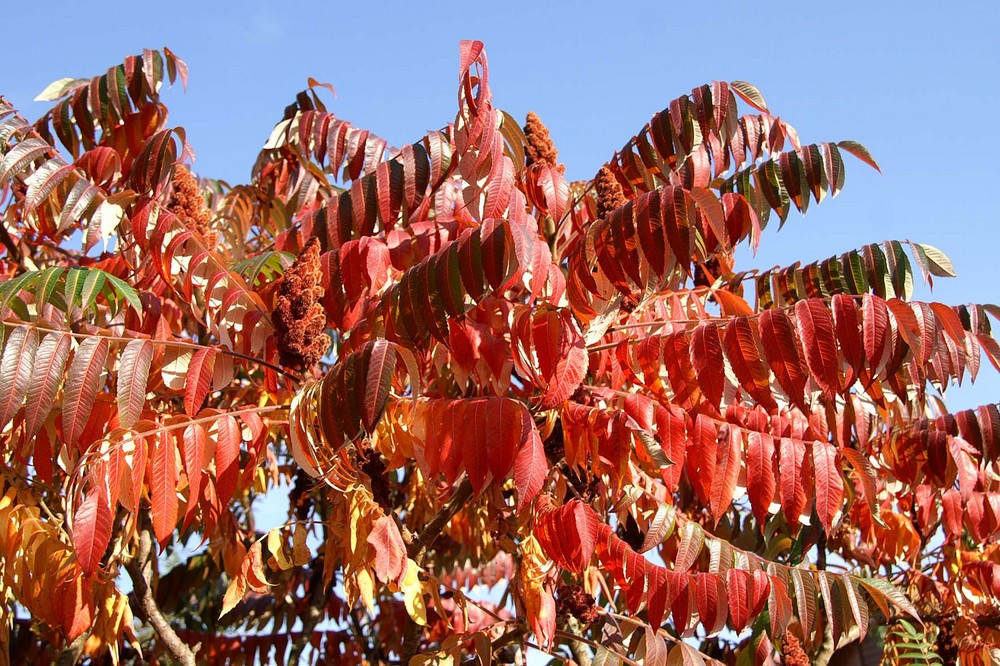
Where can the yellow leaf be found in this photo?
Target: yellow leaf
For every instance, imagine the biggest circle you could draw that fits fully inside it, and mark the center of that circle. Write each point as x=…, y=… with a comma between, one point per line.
x=300, y=551
x=275, y=544
x=366, y=586
x=234, y=594
x=435, y=659
x=413, y=594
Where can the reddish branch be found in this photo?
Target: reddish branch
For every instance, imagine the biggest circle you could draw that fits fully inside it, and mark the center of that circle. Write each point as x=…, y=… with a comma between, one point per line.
x=298, y=316
x=140, y=569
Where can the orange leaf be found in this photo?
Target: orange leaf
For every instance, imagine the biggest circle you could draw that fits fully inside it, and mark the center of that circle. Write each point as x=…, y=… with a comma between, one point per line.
x=163, y=488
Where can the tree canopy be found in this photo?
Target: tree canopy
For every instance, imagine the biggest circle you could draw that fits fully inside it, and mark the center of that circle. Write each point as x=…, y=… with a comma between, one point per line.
x=509, y=411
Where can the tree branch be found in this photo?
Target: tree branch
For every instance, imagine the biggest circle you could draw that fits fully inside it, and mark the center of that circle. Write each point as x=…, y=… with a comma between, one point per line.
x=417, y=551
x=140, y=570
x=314, y=613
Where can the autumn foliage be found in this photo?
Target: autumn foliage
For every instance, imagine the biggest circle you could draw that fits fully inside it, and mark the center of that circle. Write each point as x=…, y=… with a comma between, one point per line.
x=510, y=413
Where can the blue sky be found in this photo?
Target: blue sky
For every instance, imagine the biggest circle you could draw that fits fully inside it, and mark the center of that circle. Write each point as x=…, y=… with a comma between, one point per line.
x=914, y=81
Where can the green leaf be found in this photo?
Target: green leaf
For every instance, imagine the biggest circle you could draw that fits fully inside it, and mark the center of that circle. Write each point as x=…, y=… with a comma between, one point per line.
x=125, y=290
x=267, y=264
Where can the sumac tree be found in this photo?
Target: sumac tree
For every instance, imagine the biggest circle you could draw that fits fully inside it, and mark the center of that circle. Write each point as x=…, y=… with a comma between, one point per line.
x=467, y=372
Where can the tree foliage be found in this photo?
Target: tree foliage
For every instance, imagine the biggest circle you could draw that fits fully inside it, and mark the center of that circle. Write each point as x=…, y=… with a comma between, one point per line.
x=508, y=410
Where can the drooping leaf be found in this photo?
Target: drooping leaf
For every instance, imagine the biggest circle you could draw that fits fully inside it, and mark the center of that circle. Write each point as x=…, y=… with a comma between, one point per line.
x=381, y=365
x=163, y=488
x=227, y=454
x=16, y=370
x=727, y=469
x=197, y=384
x=193, y=457
x=791, y=479
x=760, y=474
x=816, y=330
x=82, y=384
x=92, y=530
x=530, y=467
x=743, y=352
x=133, y=373
x=778, y=338
x=390, y=562
x=829, y=484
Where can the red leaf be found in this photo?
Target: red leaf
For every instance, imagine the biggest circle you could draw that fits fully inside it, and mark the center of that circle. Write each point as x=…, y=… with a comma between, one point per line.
x=760, y=474
x=46, y=376
x=829, y=484
x=568, y=534
x=15, y=370
x=133, y=373
x=562, y=355
x=92, y=530
x=701, y=457
x=390, y=559
x=711, y=600
x=845, y=318
x=875, y=324
x=676, y=360
x=727, y=469
x=778, y=337
x=779, y=605
x=656, y=595
x=163, y=488
x=738, y=597
x=951, y=503
x=82, y=384
x=790, y=477
x=470, y=416
x=866, y=474
x=505, y=421
x=706, y=357
x=193, y=455
x=380, y=366
x=227, y=454
x=742, y=348
x=530, y=465
x=815, y=326
x=908, y=326
x=76, y=603
x=198, y=382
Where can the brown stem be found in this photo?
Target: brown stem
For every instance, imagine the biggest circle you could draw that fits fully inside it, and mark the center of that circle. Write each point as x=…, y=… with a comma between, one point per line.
x=313, y=615
x=432, y=530
x=417, y=550
x=581, y=655
x=140, y=569
x=317, y=599
x=72, y=652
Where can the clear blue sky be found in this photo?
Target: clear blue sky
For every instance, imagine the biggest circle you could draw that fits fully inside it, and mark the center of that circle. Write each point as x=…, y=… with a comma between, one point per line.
x=914, y=81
